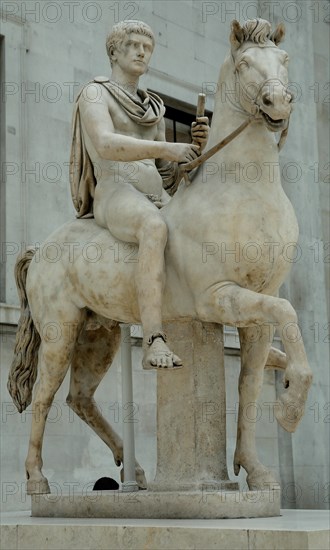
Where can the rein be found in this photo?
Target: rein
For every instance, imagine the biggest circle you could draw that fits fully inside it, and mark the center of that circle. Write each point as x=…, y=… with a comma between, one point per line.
x=208, y=154
x=187, y=167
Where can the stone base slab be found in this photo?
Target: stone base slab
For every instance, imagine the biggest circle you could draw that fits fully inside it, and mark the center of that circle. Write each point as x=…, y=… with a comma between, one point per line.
x=207, y=504
x=303, y=529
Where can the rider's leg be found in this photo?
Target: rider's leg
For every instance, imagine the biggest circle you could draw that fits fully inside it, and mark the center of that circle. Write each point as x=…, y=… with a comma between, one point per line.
x=150, y=280
x=131, y=217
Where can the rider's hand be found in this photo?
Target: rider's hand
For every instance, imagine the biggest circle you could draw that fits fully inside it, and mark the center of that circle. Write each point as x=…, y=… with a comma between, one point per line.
x=182, y=152
x=163, y=200
x=200, y=131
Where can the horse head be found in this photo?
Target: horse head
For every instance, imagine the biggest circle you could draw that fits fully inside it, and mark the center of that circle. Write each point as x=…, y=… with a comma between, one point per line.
x=261, y=72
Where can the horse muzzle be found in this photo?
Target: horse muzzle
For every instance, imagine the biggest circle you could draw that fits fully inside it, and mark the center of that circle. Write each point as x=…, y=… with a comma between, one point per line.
x=275, y=105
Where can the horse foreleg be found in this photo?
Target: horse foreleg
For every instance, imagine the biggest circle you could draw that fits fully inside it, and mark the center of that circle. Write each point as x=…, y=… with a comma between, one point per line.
x=276, y=360
x=255, y=344
x=239, y=307
x=54, y=361
x=93, y=355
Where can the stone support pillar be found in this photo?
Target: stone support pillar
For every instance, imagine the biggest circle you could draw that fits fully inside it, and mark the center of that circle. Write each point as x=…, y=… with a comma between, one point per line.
x=191, y=405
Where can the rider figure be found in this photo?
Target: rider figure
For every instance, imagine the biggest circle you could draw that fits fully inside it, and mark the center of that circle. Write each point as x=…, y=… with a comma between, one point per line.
x=121, y=125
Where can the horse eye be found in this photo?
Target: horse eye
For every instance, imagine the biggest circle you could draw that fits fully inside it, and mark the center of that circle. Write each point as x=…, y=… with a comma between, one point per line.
x=243, y=64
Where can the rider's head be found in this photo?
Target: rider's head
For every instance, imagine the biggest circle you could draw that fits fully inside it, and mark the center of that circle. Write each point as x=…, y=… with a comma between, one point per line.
x=122, y=29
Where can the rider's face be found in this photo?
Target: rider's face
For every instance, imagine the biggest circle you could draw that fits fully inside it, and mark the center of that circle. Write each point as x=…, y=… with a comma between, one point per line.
x=134, y=54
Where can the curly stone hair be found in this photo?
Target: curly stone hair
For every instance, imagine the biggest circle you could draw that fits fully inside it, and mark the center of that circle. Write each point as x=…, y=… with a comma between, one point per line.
x=122, y=29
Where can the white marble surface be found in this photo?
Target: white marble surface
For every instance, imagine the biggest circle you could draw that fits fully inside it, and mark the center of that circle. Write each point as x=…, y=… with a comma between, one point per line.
x=206, y=503
x=290, y=520
x=303, y=529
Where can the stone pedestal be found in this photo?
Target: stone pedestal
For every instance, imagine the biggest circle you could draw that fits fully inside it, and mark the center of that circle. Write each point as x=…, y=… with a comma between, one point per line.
x=303, y=529
x=192, y=478
x=191, y=412
x=204, y=504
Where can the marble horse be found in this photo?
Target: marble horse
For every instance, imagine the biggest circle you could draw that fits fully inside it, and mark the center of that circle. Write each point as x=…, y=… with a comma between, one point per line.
x=226, y=257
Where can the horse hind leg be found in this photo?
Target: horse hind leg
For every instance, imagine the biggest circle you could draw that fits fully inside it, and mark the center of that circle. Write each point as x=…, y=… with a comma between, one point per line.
x=93, y=355
x=54, y=360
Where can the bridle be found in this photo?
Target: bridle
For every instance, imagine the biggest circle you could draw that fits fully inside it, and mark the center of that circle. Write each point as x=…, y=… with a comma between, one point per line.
x=187, y=167
x=254, y=100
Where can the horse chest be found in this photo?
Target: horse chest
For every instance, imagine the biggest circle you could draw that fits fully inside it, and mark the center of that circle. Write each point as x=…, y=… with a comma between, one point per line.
x=246, y=239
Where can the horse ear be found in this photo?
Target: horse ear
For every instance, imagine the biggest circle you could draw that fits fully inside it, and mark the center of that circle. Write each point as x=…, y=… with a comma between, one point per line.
x=278, y=35
x=236, y=35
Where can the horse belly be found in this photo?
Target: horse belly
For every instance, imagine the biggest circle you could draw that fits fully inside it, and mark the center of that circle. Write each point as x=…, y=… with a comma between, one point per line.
x=107, y=286
x=92, y=270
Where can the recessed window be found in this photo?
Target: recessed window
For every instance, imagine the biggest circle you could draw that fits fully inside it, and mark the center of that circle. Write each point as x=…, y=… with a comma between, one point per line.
x=178, y=118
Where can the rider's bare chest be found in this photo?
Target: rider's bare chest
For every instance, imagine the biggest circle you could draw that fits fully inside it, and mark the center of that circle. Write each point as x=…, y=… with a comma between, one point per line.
x=124, y=124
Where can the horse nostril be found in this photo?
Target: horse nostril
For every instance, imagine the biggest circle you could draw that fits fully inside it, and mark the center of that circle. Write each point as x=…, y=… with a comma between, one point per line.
x=266, y=99
x=289, y=96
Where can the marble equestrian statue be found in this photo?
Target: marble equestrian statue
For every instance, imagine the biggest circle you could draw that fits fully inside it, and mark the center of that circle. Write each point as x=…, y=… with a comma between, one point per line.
x=218, y=211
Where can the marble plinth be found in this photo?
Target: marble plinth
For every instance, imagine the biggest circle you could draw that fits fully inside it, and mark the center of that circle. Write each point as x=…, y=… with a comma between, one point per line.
x=303, y=529
x=207, y=504
x=191, y=411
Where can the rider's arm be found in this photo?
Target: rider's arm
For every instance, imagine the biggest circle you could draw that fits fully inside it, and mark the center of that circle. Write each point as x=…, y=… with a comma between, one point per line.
x=109, y=145
x=168, y=170
x=161, y=137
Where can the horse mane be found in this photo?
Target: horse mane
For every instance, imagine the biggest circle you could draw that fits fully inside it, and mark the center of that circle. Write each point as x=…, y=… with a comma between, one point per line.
x=256, y=30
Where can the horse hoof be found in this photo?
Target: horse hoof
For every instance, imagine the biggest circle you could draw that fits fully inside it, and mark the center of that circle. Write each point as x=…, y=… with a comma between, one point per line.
x=140, y=477
x=288, y=414
x=262, y=481
x=37, y=487
x=237, y=468
x=118, y=461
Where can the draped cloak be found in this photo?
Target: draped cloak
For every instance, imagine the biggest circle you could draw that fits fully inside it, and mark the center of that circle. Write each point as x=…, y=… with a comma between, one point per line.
x=147, y=112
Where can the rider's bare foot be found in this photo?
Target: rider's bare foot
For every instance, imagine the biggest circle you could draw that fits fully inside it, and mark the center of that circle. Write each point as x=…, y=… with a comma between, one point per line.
x=157, y=354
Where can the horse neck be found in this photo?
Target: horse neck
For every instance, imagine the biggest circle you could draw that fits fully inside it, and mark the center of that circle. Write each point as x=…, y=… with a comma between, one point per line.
x=227, y=111
x=229, y=115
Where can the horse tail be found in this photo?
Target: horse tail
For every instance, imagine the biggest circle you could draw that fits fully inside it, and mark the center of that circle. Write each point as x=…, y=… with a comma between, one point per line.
x=24, y=367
